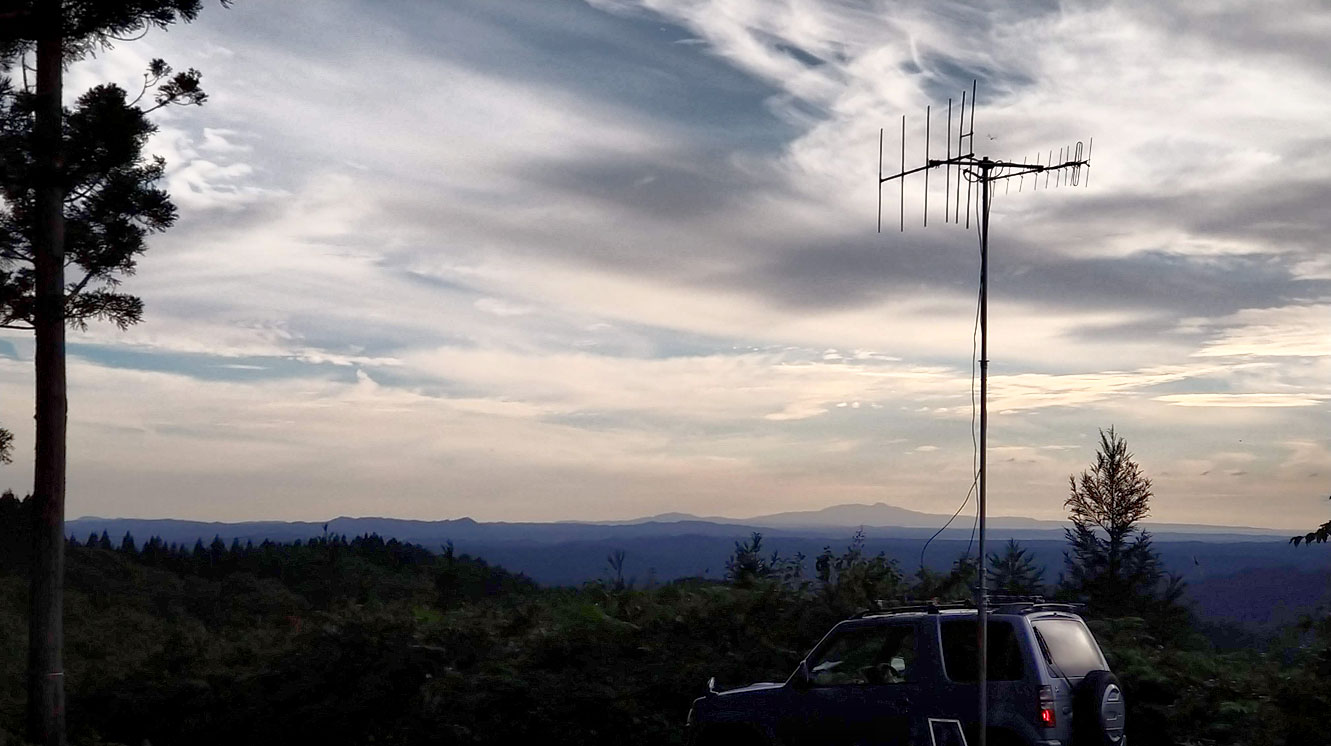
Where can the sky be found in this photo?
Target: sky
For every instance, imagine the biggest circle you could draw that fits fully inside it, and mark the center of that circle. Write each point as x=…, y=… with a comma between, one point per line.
x=607, y=259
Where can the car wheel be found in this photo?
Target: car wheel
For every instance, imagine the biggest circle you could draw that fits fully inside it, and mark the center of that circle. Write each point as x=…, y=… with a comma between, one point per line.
x=1098, y=711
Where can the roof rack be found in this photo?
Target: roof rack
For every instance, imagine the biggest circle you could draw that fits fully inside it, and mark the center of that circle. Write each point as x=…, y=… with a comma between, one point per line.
x=932, y=606
x=999, y=598
x=1028, y=604
x=1002, y=604
x=1070, y=608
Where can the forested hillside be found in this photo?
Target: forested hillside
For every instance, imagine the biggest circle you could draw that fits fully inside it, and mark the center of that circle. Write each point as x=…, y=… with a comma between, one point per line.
x=1251, y=582
x=359, y=640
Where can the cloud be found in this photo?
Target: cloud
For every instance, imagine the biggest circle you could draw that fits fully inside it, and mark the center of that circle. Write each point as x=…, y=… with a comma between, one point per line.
x=556, y=259
x=1290, y=331
x=1243, y=400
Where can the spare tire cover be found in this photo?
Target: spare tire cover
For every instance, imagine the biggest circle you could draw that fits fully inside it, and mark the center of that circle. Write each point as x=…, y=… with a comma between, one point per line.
x=1099, y=712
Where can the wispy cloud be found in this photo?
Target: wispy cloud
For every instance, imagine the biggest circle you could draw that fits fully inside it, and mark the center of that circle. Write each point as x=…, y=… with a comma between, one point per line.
x=558, y=259
x=1288, y=331
x=1244, y=400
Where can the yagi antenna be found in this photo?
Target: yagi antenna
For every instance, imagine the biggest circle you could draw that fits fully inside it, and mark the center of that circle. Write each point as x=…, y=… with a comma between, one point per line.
x=1061, y=167
x=979, y=173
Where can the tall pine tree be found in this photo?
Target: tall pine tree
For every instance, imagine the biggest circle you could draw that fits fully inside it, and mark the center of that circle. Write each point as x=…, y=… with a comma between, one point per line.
x=77, y=193
x=1110, y=564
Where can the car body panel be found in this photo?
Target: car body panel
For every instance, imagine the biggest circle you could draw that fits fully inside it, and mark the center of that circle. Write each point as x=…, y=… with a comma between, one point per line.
x=897, y=713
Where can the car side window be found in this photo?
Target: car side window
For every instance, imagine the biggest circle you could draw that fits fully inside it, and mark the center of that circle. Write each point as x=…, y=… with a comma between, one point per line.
x=867, y=655
x=961, y=643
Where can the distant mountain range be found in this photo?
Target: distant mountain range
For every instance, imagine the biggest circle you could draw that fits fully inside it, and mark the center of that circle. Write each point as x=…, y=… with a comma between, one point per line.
x=878, y=520
x=885, y=516
x=1234, y=572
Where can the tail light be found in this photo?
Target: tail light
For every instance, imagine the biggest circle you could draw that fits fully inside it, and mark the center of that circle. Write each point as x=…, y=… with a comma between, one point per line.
x=1047, y=717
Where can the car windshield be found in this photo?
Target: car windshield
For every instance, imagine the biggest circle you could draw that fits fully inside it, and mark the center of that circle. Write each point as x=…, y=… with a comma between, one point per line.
x=1070, y=646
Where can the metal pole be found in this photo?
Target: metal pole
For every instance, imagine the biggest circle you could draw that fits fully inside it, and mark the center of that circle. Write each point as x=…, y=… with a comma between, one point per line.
x=982, y=602
x=880, y=179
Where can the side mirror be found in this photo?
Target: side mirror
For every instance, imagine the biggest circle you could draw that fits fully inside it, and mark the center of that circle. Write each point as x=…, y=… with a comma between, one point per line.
x=711, y=686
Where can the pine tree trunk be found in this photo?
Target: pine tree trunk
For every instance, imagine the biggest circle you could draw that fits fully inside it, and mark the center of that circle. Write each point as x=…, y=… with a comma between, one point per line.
x=46, y=677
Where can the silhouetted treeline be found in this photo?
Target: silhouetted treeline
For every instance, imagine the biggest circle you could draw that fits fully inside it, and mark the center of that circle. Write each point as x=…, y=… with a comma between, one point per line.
x=359, y=640
x=321, y=569
x=268, y=559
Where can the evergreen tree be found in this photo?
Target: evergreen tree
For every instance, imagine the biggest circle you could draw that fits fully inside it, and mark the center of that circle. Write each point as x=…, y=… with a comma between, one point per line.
x=15, y=530
x=957, y=584
x=615, y=565
x=104, y=541
x=747, y=565
x=127, y=544
x=76, y=194
x=854, y=579
x=1110, y=564
x=217, y=564
x=1015, y=572
x=153, y=551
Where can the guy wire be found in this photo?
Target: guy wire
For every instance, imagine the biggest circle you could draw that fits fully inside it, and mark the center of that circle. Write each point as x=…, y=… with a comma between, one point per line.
x=975, y=445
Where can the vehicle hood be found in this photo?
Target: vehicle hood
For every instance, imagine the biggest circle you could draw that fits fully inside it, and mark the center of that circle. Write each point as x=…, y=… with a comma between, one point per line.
x=761, y=686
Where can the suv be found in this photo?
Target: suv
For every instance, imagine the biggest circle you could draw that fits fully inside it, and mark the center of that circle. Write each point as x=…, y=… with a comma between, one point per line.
x=908, y=676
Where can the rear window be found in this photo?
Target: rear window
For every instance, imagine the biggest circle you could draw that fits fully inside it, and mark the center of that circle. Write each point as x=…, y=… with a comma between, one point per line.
x=1070, y=645
x=961, y=647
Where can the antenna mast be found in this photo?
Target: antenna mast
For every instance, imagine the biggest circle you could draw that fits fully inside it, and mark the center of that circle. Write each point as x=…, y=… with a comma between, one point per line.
x=980, y=173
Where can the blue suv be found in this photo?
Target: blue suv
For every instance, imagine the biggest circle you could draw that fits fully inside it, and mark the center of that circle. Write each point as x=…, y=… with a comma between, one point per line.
x=907, y=676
